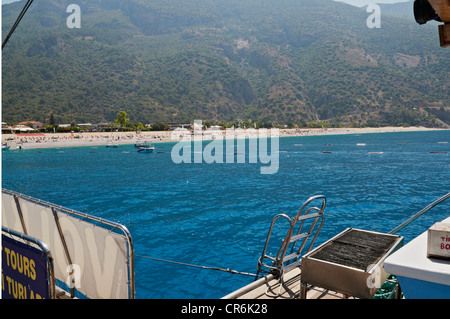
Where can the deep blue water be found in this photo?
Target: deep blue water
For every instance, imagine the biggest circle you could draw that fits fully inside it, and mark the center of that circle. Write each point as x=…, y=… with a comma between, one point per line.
x=218, y=215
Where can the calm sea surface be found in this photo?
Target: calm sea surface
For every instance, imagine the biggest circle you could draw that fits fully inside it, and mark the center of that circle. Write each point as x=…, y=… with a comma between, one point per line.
x=218, y=215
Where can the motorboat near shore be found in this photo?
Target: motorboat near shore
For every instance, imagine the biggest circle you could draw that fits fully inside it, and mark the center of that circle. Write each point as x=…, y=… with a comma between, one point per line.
x=145, y=148
x=112, y=144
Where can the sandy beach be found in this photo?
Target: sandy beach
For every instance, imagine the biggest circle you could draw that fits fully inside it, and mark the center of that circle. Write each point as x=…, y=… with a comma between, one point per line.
x=56, y=140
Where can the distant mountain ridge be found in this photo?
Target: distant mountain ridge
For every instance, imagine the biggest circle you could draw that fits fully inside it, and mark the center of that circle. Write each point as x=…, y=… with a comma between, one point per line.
x=403, y=10
x=284, y=62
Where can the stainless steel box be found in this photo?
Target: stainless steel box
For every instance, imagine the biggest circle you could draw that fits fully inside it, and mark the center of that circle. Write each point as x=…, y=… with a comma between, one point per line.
x=350, y=263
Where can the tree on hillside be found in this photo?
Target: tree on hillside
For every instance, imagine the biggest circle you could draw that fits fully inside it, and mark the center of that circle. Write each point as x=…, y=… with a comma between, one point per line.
x=122, y=119
x=52, y=120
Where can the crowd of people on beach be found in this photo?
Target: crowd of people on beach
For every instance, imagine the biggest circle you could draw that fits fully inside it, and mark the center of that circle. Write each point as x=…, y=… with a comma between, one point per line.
x=70, y=139
x=40, y=140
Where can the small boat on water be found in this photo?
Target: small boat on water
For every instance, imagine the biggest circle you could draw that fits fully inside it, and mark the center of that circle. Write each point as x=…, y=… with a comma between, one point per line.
x=142, y=144
x=112, y=145
x=5, y=147
x=147, y=148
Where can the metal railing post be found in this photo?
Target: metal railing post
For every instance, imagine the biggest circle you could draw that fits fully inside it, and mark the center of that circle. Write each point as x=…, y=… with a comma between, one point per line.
x=417, y=215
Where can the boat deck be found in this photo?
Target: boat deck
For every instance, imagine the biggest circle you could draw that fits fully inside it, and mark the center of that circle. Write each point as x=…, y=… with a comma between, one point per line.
x=290, y=289
x=61, y=294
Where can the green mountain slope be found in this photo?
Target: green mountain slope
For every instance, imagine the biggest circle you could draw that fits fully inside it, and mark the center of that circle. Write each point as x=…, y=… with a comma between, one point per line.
x=284, y=61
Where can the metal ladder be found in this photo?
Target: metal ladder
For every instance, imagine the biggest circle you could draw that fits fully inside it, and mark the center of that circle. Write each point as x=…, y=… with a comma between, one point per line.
x=282, y=262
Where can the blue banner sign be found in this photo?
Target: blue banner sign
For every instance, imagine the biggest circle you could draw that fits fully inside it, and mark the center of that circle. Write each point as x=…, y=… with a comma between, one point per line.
x=24, y=271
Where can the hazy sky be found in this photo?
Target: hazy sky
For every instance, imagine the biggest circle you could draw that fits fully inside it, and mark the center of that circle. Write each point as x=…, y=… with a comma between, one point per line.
x=358, y=3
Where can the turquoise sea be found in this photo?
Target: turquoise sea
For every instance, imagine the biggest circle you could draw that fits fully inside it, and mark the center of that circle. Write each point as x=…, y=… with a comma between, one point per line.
x=218, y=215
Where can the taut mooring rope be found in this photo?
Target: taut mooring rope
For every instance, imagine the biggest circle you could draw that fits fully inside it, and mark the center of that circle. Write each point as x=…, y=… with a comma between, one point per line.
x=231, y=271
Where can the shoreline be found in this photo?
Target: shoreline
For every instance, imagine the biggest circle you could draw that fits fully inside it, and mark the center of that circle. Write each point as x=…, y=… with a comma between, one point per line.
x=58, y=140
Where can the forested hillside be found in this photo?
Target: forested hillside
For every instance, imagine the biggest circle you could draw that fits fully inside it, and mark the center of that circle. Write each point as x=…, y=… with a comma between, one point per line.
x=277, y=61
